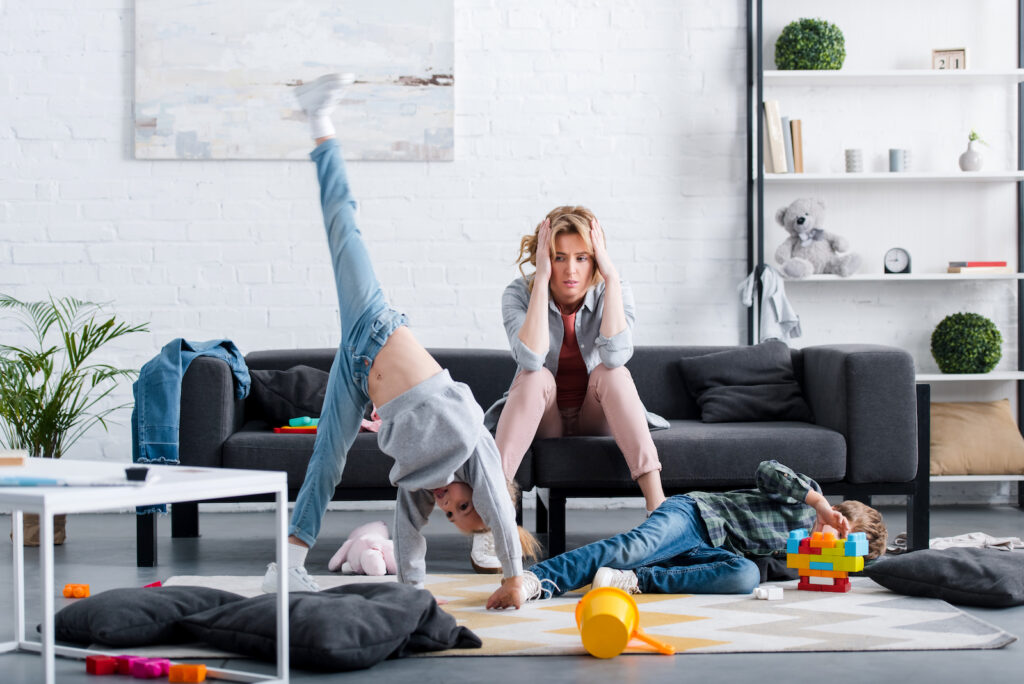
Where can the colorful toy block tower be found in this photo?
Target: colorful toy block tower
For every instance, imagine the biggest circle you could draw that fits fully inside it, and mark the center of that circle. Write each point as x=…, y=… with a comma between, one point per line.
x=824, y=562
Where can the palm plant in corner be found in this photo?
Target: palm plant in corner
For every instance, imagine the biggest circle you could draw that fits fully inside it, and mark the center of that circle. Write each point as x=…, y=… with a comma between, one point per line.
x=52, y=390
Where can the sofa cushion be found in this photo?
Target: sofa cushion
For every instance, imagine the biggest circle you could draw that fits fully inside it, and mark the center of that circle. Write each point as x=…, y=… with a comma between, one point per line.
x=278, y=396
x=975, y=438
x=966, y=576
x=695, y=455
x=136, y=616
x=754, y=383
x=345, y=628
x=255, y=447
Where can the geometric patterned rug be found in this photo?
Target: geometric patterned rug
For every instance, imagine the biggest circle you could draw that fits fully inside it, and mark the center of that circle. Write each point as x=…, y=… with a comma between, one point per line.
x=868, y=618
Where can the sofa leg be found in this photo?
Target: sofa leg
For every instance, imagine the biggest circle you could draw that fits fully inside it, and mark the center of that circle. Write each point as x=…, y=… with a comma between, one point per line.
x=145, y=540
x=919, y=503
x=185, y=519
x=556, y=524
x=1020, y=493
x=541, y=521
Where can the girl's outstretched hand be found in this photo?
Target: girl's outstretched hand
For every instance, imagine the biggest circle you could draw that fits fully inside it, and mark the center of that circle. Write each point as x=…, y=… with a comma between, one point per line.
x=508, y=595
x=604, y=262
x=543, y=253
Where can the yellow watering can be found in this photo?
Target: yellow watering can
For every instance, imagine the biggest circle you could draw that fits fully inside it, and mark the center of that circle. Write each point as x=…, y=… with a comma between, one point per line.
x=608, y=619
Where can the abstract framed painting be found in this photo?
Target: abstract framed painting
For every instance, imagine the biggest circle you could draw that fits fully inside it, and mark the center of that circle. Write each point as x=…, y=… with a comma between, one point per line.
x=214, y=79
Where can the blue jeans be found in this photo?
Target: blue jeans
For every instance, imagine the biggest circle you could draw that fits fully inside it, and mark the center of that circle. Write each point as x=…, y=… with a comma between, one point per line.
x=366, y=323
x=670, y=553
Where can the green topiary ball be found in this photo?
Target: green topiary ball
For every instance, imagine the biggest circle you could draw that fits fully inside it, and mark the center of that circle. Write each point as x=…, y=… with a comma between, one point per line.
x=810, y=44
x=966, y=343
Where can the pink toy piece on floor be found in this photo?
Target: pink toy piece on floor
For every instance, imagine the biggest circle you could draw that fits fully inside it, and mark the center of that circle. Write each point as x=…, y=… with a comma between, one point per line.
x=158, y=583
x=144, y=668
x=367, y=551
x=125, y=662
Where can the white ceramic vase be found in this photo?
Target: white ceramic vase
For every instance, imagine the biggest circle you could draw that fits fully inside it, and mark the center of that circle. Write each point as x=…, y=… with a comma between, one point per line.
x=971, y=159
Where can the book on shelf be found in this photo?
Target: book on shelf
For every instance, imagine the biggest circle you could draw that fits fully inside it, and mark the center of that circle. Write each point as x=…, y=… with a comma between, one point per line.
x=787, y=141
x=768, y=167
x=776, y=143
x=963, y=264
x=797, y=134
x=978, y=269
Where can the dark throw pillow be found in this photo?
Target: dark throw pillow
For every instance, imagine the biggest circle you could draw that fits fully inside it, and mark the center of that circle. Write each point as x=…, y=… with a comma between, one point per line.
x=349, y=627
x=746, y=384
x=961, y=575
x=293, y=393
x=136, y=617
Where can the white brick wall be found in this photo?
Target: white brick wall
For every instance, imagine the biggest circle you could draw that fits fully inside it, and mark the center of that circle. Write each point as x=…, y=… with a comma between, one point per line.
x=634, y=108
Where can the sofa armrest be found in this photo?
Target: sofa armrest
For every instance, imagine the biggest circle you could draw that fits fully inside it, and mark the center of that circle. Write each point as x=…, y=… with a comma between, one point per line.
x=867, y=393
x=209, y=412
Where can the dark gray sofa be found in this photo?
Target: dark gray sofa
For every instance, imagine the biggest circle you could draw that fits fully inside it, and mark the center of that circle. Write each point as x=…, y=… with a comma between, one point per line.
x=865, y=440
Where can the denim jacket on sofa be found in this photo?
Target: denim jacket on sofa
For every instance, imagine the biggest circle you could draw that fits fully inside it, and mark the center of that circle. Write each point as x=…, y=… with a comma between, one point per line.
x=158, y=395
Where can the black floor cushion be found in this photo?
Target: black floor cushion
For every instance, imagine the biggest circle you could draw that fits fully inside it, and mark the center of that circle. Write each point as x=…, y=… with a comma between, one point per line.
x=136, y=617
x=345, y=628
x=961, y=575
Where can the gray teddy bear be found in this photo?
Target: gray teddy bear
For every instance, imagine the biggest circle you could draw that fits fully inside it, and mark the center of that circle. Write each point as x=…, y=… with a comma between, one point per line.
x=811, y=249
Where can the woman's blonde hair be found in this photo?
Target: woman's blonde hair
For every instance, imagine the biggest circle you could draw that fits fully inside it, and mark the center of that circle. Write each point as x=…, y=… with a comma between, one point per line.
x=567, y=220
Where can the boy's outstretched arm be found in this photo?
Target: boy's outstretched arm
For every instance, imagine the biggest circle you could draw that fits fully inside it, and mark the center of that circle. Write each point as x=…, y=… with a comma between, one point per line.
x=826, y=514
x=508, y=595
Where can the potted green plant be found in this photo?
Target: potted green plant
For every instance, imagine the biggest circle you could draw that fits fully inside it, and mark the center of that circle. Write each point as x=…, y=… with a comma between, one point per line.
x=966, y=343
x=810, y=44
x=52, y=390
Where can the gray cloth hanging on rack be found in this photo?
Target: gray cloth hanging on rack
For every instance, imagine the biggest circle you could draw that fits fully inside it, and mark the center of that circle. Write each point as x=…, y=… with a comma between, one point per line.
x=778, y=318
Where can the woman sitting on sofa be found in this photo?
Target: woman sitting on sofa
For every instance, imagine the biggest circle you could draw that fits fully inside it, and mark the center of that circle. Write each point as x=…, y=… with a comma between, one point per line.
x=570, y=326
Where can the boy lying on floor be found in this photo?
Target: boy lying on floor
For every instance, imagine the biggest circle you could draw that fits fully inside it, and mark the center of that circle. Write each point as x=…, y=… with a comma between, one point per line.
x=699, y=543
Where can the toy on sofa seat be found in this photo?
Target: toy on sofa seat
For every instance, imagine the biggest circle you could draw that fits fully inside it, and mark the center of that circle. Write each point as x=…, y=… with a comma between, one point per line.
x=810, y=249
x=367, y=551
x=824, y=562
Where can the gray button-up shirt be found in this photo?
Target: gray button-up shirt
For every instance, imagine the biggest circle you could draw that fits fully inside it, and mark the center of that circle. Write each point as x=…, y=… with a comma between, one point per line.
x=595, y=348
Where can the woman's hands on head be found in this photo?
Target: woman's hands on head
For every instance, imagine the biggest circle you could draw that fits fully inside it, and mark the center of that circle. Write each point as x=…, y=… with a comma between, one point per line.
x=604, y=262
x=543, y=253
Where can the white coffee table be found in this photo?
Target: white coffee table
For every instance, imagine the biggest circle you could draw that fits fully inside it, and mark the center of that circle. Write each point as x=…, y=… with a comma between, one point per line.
x=170, y=484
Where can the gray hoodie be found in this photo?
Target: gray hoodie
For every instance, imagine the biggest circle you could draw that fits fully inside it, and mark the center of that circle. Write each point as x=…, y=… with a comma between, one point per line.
x=436, y=435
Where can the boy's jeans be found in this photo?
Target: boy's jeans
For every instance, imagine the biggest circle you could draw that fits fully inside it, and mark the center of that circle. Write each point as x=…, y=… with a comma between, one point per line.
x=366, y=323
x=670, y=553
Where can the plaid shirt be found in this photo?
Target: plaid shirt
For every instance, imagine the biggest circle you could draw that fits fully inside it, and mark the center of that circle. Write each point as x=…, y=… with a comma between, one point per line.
x=757, y=522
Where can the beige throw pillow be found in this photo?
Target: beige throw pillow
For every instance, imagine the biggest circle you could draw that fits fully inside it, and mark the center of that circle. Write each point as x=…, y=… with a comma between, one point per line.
x=975, y=438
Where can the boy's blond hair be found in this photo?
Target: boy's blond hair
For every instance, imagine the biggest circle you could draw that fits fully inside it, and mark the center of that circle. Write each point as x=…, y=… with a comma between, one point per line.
x=864, y=518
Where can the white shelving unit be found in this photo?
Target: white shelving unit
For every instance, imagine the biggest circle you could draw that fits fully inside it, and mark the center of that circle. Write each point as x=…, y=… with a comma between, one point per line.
x=893, y=77
x=896, y=82
x=904, y=177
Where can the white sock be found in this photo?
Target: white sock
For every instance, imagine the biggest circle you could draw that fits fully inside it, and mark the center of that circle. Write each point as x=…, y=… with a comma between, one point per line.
x=296, y=555
x=321, y=126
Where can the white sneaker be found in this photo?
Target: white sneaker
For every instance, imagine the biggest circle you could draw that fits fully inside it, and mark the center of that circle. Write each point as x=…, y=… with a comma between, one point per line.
x=482, y=556
x=620, y=579
x=298, y=580
x=534, y=589
x=319, y=97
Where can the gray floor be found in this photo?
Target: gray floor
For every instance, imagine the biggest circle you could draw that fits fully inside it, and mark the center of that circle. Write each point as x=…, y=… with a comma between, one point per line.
x=101, y=551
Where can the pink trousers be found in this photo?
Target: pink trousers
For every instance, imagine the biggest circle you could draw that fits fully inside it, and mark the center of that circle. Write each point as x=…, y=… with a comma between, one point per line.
x=611, y=407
